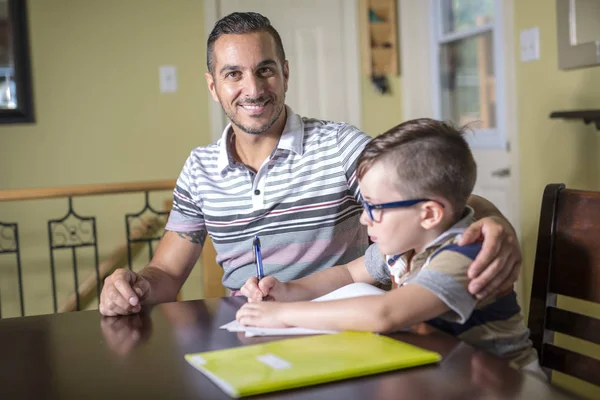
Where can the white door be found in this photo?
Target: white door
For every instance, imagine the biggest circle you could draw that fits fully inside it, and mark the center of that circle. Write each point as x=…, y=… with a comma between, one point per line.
x=469, y=76
x=321, y=44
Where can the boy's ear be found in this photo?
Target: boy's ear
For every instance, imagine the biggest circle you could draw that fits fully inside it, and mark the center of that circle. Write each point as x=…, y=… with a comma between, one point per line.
x=432, y=214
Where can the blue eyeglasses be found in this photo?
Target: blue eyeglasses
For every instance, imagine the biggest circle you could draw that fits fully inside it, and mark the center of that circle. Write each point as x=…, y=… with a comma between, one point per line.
x=375, y=210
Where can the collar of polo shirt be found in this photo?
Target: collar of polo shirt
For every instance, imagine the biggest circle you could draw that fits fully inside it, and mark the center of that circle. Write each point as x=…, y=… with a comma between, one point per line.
x=291, y=139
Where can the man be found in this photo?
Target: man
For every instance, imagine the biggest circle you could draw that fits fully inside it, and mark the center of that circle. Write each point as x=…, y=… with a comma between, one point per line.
x=288, y=179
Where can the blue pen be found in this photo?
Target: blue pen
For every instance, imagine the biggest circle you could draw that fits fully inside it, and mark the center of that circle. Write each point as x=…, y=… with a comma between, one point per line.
x=258, y=259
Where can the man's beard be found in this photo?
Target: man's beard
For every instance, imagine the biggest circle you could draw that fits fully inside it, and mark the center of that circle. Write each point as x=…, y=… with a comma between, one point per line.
x=261, y=129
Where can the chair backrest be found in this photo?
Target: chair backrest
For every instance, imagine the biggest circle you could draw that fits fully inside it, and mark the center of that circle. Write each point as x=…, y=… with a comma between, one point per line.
x=567, y=262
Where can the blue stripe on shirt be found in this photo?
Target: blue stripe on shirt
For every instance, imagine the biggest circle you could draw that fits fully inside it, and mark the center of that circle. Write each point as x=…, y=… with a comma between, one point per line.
x=503, y=308
x=469, y=250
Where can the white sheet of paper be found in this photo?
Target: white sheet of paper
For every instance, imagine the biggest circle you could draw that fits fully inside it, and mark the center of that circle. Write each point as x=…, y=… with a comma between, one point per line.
x=345, y=292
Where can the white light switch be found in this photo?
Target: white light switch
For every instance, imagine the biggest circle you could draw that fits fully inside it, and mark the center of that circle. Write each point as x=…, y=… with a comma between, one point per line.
x=529, y=41
x=168, y=79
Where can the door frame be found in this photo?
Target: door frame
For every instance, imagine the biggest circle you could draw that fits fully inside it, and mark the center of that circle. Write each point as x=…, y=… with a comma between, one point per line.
x=418, y=91
x=218, y=120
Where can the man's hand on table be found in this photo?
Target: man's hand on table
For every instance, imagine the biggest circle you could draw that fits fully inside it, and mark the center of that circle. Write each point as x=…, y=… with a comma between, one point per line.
x=123, y=293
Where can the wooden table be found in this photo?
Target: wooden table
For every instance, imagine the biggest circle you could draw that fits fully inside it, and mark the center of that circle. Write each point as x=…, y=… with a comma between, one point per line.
x=83, y=356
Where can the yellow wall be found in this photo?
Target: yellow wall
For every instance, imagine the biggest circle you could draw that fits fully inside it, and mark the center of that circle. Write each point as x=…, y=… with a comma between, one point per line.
x=379, y=111
x=551, y=150
x=100, y=117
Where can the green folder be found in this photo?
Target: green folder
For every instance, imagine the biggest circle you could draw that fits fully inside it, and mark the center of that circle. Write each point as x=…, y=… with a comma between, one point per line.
x=293, y=363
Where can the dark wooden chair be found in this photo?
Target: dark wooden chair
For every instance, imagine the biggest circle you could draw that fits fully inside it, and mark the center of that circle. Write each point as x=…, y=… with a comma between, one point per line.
x=567, y=262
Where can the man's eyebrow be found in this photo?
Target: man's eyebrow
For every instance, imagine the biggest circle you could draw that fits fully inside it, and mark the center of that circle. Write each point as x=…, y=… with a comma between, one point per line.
x=229, y=67
x=266, y=63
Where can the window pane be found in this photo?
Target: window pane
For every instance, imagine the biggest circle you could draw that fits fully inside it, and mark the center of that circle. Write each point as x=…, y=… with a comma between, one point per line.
x=468, y=84
x=458, y=15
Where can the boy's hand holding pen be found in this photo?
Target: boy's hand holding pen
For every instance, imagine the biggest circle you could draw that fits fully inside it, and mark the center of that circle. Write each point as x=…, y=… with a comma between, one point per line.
x=259, y=288
x=262, y=290
x=258, y=261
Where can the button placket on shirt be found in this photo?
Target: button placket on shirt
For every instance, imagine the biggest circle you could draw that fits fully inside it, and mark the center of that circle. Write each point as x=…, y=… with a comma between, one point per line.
x=416, y=264
x=258, y=185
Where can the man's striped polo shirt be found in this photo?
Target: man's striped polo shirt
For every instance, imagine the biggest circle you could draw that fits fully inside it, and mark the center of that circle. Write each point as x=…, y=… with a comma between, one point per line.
x=302, y=202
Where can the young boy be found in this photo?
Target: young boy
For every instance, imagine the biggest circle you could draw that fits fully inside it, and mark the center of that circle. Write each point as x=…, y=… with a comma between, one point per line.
x=415, y=180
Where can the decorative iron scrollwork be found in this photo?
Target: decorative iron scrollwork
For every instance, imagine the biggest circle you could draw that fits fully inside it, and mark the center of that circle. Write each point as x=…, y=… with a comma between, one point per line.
x=8, y=238
x=9, y=244
x=72, y=232
x=142, y=227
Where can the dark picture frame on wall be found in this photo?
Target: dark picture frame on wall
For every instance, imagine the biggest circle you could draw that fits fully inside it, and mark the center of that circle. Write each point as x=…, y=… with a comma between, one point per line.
x=16, y=93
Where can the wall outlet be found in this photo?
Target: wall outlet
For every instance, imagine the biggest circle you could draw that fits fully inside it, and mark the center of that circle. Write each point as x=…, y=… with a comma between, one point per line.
x=529, y=41
x=168, y=78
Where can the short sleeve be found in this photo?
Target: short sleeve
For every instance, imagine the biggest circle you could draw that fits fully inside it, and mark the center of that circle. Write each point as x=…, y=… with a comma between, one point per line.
x=446, y=276
x=376, y=266
x=351, y=142
x=186, y=214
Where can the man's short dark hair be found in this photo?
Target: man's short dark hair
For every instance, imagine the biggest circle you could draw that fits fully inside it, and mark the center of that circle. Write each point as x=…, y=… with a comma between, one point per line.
x=430, y=158
x=239, y=23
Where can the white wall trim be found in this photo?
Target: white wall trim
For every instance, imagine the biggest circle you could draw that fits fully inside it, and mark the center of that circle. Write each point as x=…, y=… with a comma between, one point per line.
x=353, y=62
x=512, y=121
x=351, y=52
x=217, y=117
x=434, y=53
x=415, y=60
x=510, y=105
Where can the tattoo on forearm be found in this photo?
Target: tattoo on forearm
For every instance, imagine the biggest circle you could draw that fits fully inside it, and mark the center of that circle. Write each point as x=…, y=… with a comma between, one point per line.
x=197, y=237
